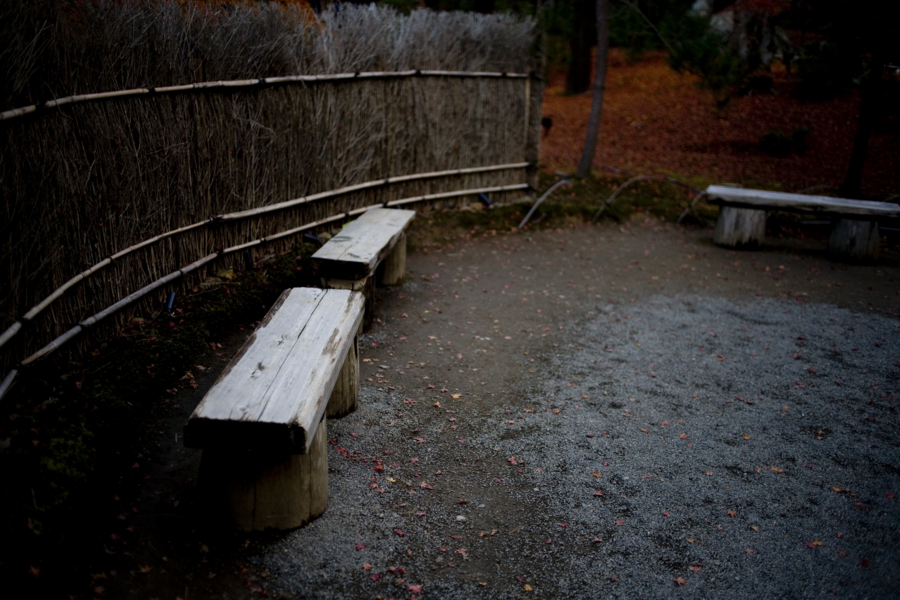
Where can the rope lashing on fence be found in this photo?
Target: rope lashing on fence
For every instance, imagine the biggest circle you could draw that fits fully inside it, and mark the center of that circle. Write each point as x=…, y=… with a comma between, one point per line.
x=31, y=314
x=131, y=298
x=243, y=84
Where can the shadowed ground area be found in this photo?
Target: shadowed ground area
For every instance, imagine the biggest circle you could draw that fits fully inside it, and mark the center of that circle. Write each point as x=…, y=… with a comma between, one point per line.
x=615, y=410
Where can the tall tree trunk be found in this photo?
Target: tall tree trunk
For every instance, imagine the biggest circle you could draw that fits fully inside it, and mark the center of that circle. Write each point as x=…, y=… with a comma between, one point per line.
x=578, y=77
x=590, y=142
x=868, y=113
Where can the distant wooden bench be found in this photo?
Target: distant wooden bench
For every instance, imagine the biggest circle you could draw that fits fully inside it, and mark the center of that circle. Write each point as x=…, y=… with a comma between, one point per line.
x=350, y=260
x=854, y=234
x=262, y=424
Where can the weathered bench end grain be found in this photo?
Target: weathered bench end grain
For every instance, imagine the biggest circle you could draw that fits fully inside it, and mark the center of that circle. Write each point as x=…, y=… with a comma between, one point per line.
x=262, y=424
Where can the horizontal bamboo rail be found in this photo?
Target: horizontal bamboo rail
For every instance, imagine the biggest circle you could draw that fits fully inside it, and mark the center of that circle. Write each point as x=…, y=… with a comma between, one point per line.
x=31, y=314
x=239, y=84
x=57, y=343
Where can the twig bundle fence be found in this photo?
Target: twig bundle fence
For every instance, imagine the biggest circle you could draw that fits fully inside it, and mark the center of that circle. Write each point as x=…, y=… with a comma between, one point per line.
x=83, y=180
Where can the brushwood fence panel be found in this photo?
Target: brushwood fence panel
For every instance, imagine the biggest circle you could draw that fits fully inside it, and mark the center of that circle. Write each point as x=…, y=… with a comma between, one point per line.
x=84, y=181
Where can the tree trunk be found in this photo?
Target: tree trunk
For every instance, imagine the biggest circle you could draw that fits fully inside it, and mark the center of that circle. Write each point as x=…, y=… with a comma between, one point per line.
x=868, y=113
x=590, y=142
x=578, y=77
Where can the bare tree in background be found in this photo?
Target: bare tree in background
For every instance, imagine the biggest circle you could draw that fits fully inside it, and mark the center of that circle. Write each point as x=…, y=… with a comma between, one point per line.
x=590, y=142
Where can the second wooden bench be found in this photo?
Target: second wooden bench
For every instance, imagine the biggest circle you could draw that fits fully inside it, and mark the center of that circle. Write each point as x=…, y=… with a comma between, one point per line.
x=369, y=248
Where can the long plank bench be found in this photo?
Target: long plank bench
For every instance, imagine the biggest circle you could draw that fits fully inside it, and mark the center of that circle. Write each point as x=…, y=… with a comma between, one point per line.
x=262, y=424
x=369, y=248
x=854, y=235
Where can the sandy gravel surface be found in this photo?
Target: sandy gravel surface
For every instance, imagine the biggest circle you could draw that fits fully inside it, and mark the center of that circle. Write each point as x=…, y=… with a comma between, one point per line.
x=623, y=411
x=614, y=411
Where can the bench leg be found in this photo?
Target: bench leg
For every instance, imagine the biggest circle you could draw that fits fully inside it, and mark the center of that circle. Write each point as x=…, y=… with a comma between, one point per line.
x=366, y=286
x=256, y=490
x=394, y=264
x=855, y=240
x=345, y=395
x=740, y=227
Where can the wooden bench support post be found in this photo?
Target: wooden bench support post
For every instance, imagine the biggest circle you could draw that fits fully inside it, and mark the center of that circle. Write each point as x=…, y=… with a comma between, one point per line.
x=394, y=265
x=253, y=490
x=738, y=227
x=345, y=395
x=854, y=239
x=366, y=286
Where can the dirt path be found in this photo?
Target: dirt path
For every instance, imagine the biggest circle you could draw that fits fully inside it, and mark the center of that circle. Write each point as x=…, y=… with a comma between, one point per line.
x=508, y=396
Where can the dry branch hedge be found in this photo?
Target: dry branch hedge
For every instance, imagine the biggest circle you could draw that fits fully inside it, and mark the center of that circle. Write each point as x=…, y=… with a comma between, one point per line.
x=84, y=181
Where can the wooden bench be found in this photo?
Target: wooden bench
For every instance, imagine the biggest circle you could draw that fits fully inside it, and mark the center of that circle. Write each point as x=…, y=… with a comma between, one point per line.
x=854, y=234
x=351, y=259
x=262, y=424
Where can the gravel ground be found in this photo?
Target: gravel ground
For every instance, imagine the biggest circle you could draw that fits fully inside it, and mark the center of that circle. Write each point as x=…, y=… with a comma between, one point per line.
x=623, y=410
x=618, y=412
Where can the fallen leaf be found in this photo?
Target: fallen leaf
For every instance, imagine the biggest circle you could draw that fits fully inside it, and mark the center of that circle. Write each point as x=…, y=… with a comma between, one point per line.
x=360, y=546
x=731, y=513
x=528, y=588
x=695, y=568
x=367, y=567
x=746, y=436
x=456, y=396
x=680, y=581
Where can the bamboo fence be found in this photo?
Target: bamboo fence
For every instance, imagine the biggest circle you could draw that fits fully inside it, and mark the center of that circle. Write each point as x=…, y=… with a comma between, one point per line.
x=91, y=179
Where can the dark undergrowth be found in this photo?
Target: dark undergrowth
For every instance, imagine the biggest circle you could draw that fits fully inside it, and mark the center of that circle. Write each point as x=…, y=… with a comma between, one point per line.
x=69, y=432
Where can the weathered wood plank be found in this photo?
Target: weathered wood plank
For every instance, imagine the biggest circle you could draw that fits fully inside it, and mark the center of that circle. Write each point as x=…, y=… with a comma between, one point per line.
x=800, y=203
x=275, y=392
x=356, y=251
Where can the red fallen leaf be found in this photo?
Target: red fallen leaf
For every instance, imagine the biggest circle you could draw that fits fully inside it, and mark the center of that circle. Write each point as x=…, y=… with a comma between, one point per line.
x=645, y=430
x=409, y=401
x=797, y=357
x=376, y=577
x=695, y=568
x=415, y=589
x=378, y=468
x=420, y=440
x=397, y=570
x=664, y=423
x=461, y=551
x=564, y=525
x=360, y=546
x=864, y=562
x=731, y=513
x=590, y=435
x=842, y=553
x=462, y=501
x=811, y=370
x=859, y=505
x=512, y=460
x=414, y=460
x=683, y=436
x=680, y=581
x=548, y=541
x=420, y=514
x=620, y=522
x=430, y=387
x=353, y=435
x=442, y=549
x=665, y=513
x=455, y=537
x=367, y=567
x=444, y=390
x=400, y=532
x=889, y=495
x=425, y=486
x=597, y=540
